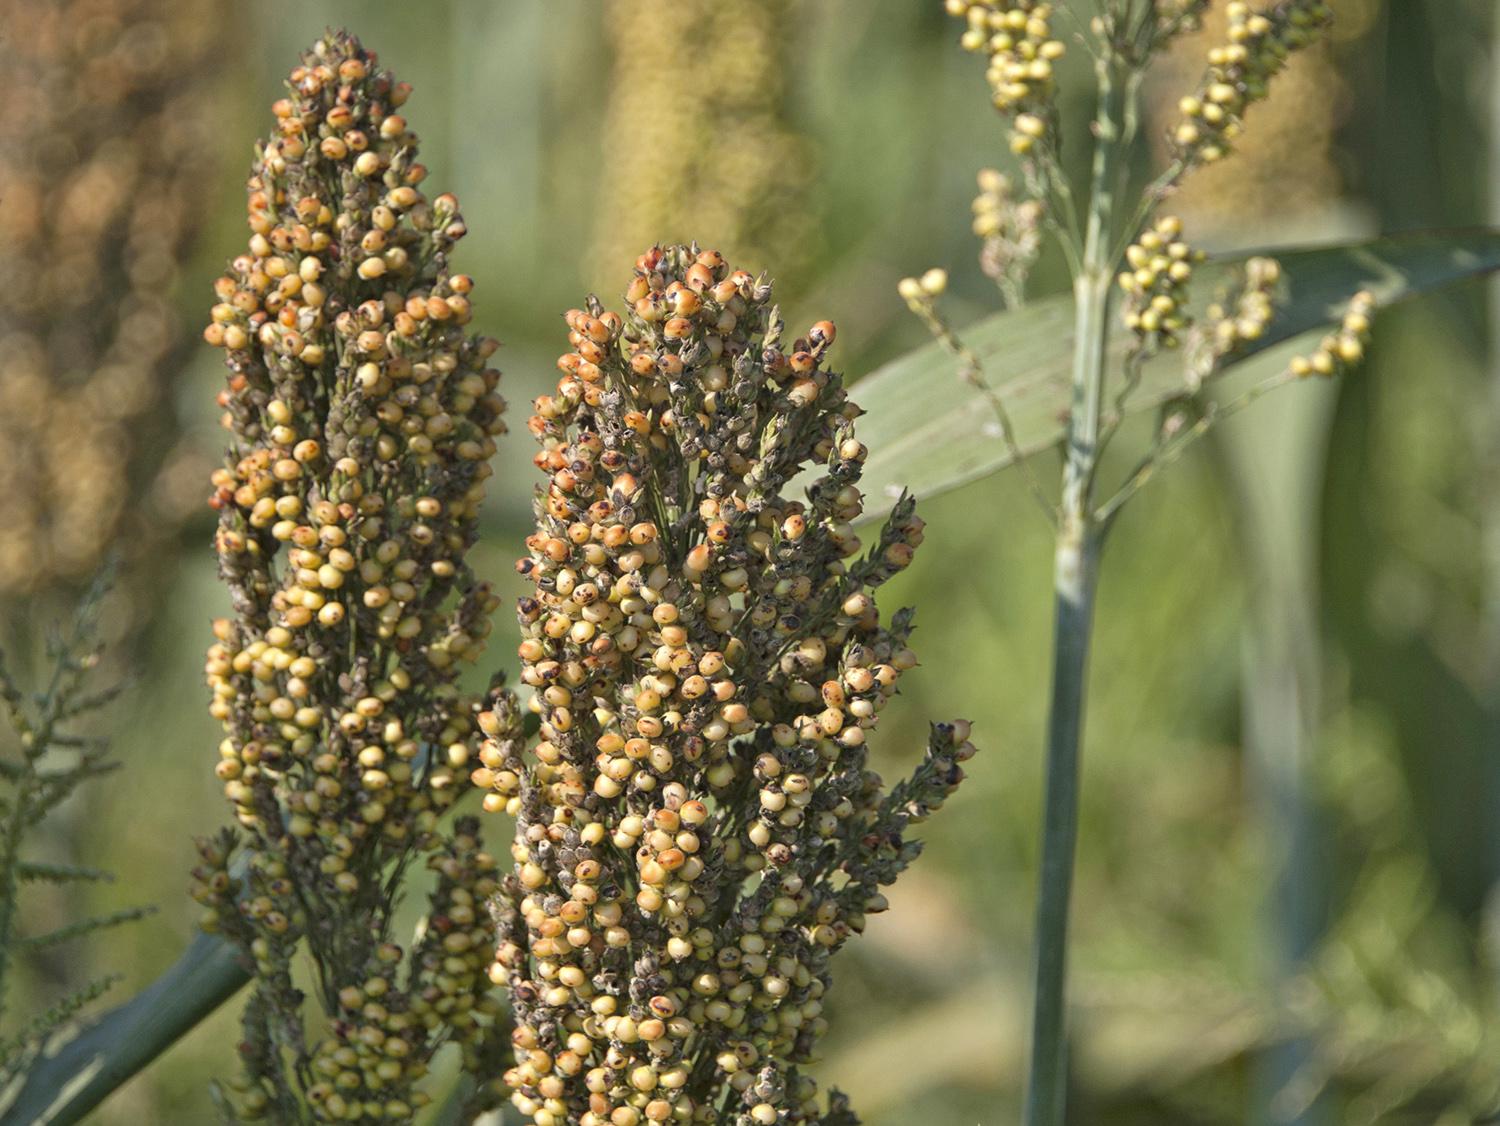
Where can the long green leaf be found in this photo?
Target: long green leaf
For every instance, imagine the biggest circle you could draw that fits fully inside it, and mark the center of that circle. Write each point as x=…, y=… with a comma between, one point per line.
x=67, y=1082
x=928, y=432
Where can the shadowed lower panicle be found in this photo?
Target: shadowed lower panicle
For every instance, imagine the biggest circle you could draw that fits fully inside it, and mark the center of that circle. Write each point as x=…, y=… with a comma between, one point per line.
x=697, y=829
x=363, y=418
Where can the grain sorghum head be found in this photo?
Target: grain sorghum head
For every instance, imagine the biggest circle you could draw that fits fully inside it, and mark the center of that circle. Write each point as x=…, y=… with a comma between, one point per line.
x=697, y=132
x=363, y=417
x=105, y=145
x=697, y=828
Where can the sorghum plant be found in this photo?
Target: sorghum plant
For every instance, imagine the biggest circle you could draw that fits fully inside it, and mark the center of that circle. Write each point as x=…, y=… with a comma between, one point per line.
x=1117, y=247
x=363, y=419
x=104, y=148
x=698, y=830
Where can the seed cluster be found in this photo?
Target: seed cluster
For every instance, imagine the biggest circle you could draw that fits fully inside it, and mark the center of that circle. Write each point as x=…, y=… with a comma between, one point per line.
x=1174, y=17
x=1016, y=37
x=1010, y=232
x=1158, y=267
x=1235, y=320
x=697, y=828
x=1339, y=351
x=104, y=147
x=1240, y=72
x=363, y=418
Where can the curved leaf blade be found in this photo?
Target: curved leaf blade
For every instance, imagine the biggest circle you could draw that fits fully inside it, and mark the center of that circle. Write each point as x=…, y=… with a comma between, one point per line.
x=928, y=432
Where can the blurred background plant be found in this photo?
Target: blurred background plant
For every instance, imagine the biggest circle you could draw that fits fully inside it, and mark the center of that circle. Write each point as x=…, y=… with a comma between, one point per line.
x=106, y=154
x=47, y=753
x=697, y=135
x=927, y=1015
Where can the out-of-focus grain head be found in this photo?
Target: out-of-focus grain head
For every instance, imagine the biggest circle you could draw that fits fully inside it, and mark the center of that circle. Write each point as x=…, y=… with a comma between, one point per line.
x=106, y=151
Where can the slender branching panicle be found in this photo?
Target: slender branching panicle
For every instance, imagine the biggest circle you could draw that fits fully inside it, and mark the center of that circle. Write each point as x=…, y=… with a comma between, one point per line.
x=1240, y=71
x=1286, y=168
x=43, y=762
x=698, y=830
x=104, y=149
x=363, y=418
x=1010, y=234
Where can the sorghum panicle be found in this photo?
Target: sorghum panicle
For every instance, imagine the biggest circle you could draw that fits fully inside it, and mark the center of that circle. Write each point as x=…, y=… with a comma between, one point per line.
x=104, y=147
x=699, y=95
x=1016, y=36
x=698, y=829
x=363, y=418
x=1240, y=72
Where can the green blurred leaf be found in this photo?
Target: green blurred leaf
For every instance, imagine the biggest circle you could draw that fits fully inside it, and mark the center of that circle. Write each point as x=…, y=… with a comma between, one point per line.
x=928, y=432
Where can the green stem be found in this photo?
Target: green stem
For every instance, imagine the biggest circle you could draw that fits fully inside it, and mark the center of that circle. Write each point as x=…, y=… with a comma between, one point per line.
x=62, y=1086
x=1075, y=580
x=10, y=859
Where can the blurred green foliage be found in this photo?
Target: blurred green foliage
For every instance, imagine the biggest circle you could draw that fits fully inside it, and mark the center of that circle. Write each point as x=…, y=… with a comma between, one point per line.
x=1172, y=1001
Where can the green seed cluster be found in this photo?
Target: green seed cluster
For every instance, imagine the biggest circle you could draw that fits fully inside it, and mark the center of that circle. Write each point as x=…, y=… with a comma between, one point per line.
x=697, y=828
x=363, y=418
x=1240, y=72
x=105, y=147
x=1016, y=37
x=1339, y=351
x=1158, y=267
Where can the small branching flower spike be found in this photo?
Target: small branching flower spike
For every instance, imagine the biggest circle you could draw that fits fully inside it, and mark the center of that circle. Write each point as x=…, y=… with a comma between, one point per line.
x=1016, y=37
x=1158, y=267
x=1010, y=233
x=1177, y=16
x=1340, y=351
x=363, y=418
x=1234, y=321
x=1240, y=72
x=697, y=830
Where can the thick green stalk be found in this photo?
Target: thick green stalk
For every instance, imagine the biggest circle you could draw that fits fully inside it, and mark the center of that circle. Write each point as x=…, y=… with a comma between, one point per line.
x=63, y=1085
x=1075, y=578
